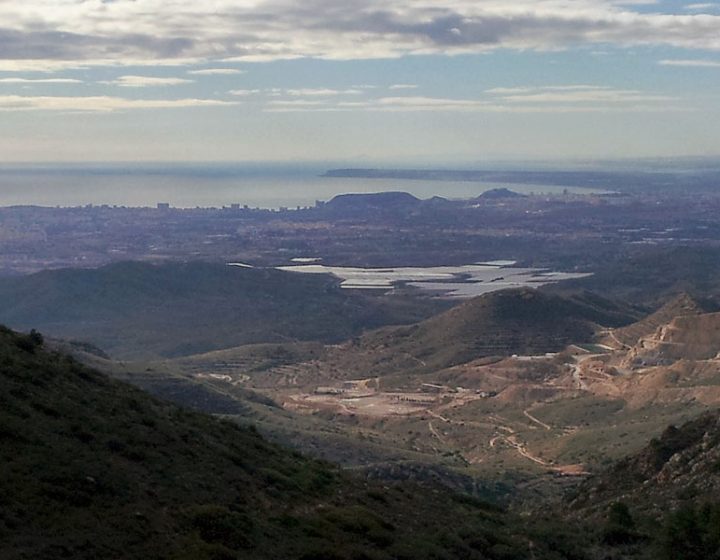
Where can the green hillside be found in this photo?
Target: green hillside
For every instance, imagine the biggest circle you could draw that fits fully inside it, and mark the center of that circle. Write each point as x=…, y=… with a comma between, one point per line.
x=135, y=310
x=93, y=468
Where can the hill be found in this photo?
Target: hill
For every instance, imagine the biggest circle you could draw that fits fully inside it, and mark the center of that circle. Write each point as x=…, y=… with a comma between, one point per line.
x=499, y=194
x=515, y=321
x=379, y=199
x=93, y=468
x=135, y=310
x=682, y=304
x=686, y=337
x=651, y=275
x=662, y=502
x=676, y=468
x=364, y=203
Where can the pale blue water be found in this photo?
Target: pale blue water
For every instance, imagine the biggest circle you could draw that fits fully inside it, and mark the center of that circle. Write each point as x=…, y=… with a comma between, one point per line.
x=211, y=185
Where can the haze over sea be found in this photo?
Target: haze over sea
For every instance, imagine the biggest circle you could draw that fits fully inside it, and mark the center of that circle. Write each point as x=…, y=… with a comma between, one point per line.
x=210, y=185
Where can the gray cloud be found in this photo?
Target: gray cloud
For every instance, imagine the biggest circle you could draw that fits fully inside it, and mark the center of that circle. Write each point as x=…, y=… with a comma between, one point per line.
x=128, y=31
x=62, y=45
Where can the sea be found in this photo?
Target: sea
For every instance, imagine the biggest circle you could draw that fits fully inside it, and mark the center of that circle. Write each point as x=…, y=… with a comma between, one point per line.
x=214, y=185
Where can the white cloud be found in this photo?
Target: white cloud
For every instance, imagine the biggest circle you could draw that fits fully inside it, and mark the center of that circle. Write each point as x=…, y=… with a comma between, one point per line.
x=403, y=86
x=146, y=81
x=691, y=63
x=699, y=7
x=321, y=92
x=299, y=92
x=529, y=89
x=61, y=33
x=244, y=92
x=297, y=103
x=45, y=65
x=418, y=103
x=102, y=104
x=39, y=81
x=586, y=96
x=548, y=99
x=216, y=72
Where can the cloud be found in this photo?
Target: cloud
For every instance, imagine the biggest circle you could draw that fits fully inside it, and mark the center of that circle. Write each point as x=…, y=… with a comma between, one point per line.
x=39, y=81
x=691, y=63
x=297, y=103
x=299, y=92
x=62, y=33
x=102, y=104
x=546, y=99
x=592, y=95
x=244, y=92
x=216, y=72
x=147, y=81
x=704, y=6
x=418, y=103
x=403, y=86
x=54, y=65
x=322, y=92
x=528, y=89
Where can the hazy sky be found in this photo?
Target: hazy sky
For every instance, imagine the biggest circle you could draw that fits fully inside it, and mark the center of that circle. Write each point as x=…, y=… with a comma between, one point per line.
x=360, y=80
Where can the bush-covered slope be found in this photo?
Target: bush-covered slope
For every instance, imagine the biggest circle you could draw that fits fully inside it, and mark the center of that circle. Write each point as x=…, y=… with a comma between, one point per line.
x=662, y=502
x=93, y=468
x=679, y=467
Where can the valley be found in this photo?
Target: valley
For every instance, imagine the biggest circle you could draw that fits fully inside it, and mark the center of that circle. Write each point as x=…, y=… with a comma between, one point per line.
x=535, y=413
x=502, y=378
x=374, y=280
x=519, y=379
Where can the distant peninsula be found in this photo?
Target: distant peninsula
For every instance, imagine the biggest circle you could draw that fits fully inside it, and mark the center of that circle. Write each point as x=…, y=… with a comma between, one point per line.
x=613, y=181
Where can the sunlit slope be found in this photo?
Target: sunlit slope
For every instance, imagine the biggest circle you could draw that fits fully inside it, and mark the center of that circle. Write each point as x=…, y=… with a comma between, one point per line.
x=682, y=304
x=517, y=321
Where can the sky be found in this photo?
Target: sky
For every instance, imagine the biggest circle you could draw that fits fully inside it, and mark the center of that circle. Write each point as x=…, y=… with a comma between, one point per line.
x=365, y=81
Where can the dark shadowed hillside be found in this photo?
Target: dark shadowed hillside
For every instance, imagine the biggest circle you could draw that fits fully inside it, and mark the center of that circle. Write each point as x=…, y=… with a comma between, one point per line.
x=137, y=310
x=93, y=468
x=651, y=275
